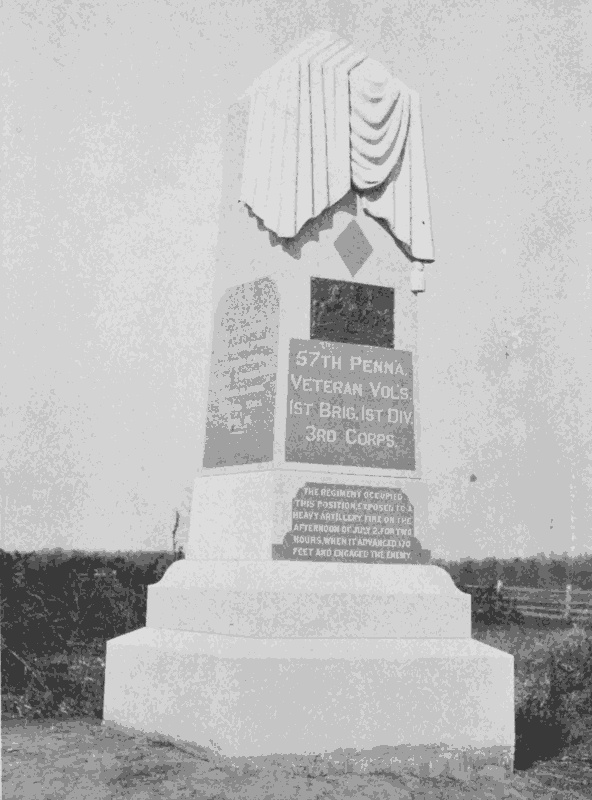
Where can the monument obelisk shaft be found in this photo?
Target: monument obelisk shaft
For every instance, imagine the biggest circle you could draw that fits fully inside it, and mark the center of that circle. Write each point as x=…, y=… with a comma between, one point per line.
x=305, y=618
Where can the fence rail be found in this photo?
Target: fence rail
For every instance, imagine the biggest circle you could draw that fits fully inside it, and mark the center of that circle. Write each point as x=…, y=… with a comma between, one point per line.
x=568, y=603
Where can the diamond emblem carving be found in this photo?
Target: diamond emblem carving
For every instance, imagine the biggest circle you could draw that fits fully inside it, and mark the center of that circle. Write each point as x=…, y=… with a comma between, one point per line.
x=353, y=247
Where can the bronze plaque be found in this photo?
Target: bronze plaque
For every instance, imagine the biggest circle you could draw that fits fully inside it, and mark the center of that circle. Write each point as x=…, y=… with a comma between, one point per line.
x=361, y=313
x=350, y=405
x=362, y=524
x=241, y=397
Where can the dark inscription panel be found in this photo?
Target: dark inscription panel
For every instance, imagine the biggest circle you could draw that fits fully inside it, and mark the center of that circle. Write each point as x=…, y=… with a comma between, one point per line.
x=360, y=313
x=362, y=524
x=241, y=397
x=350, y=405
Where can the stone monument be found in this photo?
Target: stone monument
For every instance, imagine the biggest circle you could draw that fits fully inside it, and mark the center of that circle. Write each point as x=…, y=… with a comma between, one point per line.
x=306, y=618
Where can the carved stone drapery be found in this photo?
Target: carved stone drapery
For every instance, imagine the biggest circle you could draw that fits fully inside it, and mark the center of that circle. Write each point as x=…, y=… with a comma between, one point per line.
x=326, y=119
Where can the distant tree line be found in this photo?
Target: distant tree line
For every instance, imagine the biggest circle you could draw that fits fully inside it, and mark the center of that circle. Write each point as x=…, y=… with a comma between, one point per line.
x=55, y=600
x=537, y=572
x=59, y=608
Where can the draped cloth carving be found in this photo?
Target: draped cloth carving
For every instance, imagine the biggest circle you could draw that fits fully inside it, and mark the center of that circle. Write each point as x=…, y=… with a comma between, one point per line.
x=326, y=119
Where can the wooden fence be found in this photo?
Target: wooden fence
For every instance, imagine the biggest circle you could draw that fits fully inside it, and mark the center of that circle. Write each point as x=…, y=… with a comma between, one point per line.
x=570, y=604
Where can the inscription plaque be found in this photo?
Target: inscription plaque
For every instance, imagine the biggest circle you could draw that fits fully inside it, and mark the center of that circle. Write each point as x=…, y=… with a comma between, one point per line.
x=241, y=395
x=333, y=522
x=350, y=404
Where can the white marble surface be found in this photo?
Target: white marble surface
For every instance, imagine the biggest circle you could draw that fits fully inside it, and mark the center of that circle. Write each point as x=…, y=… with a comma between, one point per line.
x=309, y=599
x=250, y=697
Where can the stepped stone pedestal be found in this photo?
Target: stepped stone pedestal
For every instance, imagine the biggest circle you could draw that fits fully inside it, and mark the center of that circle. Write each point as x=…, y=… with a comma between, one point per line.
x=254, y=656
x=257, y=658
x=306, y=619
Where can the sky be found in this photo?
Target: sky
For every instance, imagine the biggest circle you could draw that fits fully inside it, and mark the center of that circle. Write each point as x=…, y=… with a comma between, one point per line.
x=113, y=149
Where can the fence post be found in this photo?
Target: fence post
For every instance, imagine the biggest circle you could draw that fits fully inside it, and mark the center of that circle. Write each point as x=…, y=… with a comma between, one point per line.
x=498, y=587
x=568, y=602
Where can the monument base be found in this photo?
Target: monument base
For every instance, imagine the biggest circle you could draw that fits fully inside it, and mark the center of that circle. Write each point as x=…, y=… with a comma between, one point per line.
x=256, y=659
x=302, y=600
x=399, y=701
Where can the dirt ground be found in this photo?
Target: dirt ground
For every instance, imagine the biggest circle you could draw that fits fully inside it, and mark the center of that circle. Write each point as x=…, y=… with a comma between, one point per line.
x=81, y=759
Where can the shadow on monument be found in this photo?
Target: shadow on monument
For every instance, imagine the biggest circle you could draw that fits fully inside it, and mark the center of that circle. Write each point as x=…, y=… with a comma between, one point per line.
x=404, y=248
x=311, y=230
x=324, y=222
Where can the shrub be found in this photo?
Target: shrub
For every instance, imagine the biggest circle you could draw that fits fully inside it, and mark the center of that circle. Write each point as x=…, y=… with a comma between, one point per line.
x=54, y=605
x=65, y=685
x=557, y=709
x=490, y=607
